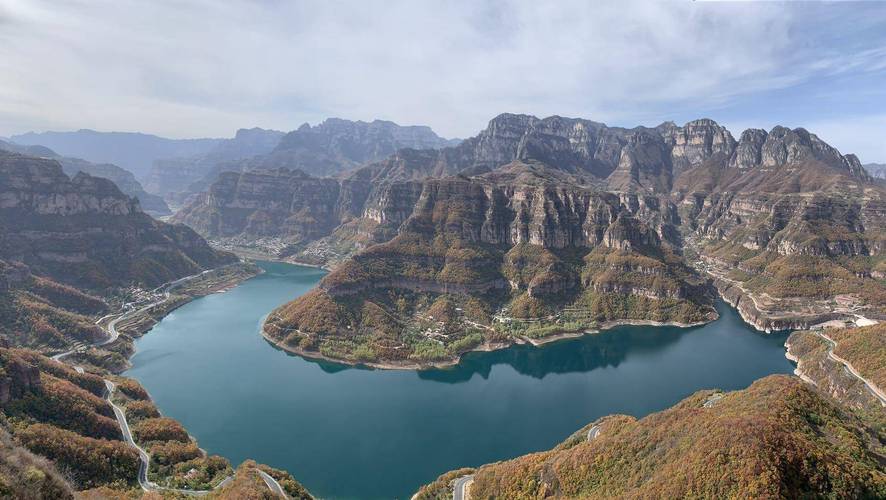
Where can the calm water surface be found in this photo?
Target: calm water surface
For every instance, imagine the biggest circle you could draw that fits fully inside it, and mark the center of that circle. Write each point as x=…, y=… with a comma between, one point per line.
x=356, y=433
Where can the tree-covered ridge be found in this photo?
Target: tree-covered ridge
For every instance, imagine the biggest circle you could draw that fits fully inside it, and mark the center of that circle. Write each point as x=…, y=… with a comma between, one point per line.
x=821, y=356
x=26, y=475
x=864, y=348
x=779, y=438
x=60, y=414
x=39, y=313
x=53, y=411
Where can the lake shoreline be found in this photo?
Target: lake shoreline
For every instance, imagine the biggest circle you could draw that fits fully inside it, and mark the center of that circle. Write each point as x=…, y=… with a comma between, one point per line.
x=142, y=322
x=484, y=347
x=206, y=366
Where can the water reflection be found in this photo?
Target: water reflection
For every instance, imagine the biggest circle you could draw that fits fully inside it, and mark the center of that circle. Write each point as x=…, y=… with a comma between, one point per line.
x=393, y=430
x=607, y=348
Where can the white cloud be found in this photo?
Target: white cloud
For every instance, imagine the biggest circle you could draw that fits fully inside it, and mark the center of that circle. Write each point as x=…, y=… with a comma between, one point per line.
x=206, y=68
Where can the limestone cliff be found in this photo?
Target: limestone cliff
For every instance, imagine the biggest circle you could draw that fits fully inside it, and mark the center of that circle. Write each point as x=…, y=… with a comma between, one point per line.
x=790, y=229
x=124, y=179
x=83, y=231
x=482, y=257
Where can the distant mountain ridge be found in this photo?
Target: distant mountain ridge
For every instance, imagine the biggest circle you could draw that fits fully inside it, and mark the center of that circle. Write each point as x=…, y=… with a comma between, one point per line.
x=124, y=179
x=337, y=145
x=174, y=178
x=131, y=150
x=561, y=218
x=83, y=231
x=877, y=170
x=327, y=149
x=589, y=153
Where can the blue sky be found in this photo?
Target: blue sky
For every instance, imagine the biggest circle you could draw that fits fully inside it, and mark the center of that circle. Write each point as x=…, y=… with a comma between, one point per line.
x=206, y=68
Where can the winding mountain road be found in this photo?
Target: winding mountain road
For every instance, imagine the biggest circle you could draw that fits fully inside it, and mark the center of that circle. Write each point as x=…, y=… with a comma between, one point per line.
x=272, y=483
x=712, y=400
x=876, y=391
x=144, y=456
x=460, y=487
x=593, y=432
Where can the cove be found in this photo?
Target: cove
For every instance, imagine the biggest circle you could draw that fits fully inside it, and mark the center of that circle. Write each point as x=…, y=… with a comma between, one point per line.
x=356, y=433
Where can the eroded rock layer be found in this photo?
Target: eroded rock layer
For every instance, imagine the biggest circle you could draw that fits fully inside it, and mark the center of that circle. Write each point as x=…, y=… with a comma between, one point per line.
x=790, y=230
x=83, y=231
x=482, y=258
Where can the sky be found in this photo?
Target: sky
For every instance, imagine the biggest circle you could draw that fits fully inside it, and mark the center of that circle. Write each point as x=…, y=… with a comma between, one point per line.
x=206, y=68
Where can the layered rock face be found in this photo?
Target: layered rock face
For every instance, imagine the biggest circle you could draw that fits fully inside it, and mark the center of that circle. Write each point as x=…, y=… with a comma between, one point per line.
x=511, y=245
x=696, y=142
x=266, y=203
x=791, y=230
x=124, y=179
x=580, y=147
x=794, y=235
x=84, y=231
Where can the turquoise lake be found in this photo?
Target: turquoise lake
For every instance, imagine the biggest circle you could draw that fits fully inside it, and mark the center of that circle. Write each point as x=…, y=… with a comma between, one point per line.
x=357, y=433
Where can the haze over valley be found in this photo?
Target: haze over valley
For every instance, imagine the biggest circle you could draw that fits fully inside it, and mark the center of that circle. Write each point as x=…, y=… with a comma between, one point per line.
x=462, y=250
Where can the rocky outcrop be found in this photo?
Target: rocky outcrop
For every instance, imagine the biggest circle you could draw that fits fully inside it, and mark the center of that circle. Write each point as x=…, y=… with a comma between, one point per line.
x=772, y=319
x=696, y=142
x=124, y=179
x=749, y=151
x=50, y=221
